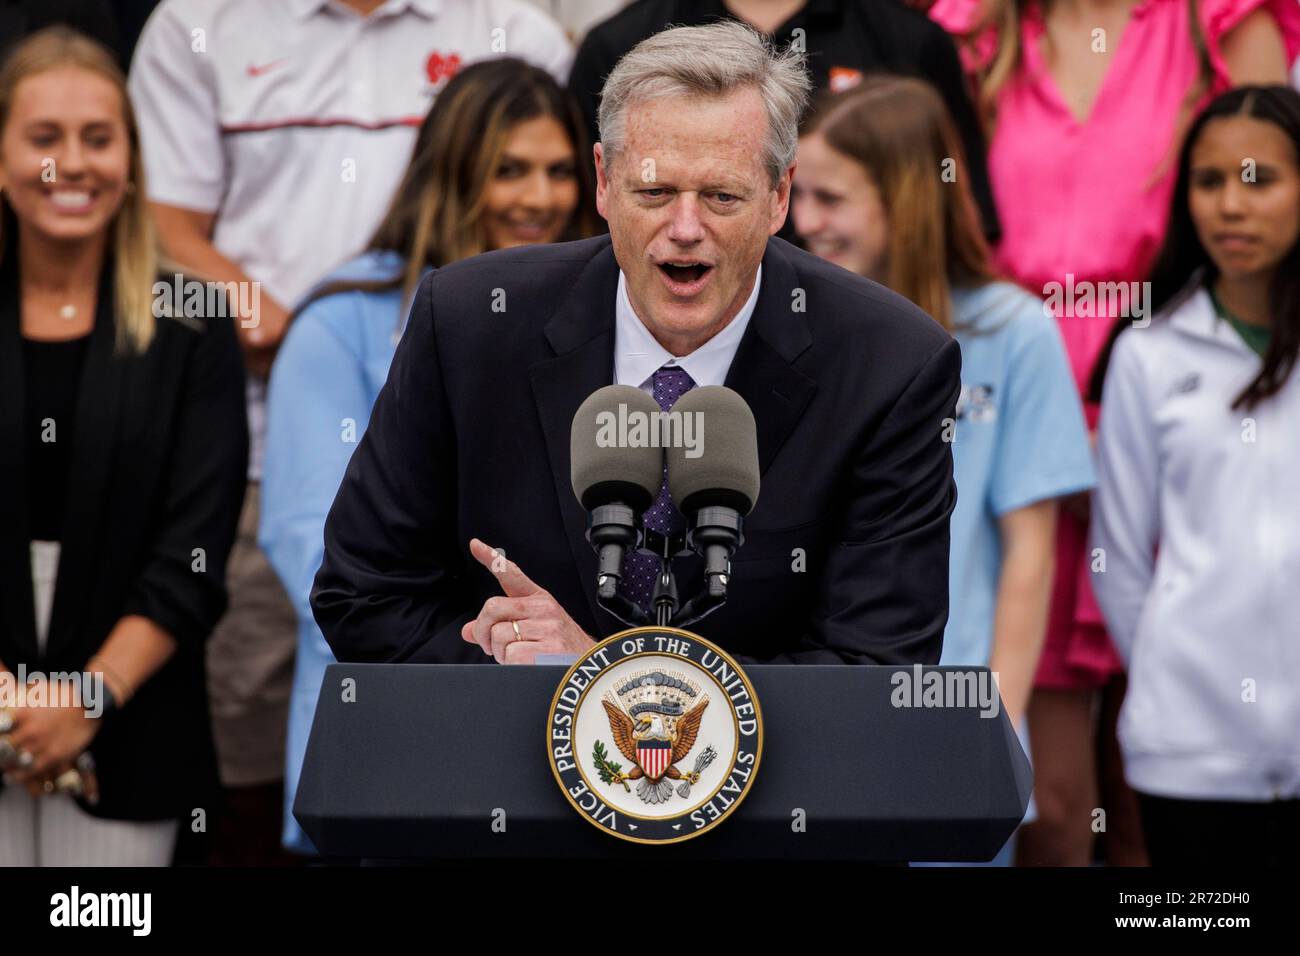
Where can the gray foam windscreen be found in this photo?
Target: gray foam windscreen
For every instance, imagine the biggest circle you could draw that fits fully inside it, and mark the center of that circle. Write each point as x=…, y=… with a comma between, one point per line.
x=608, y=460
x=722, y=467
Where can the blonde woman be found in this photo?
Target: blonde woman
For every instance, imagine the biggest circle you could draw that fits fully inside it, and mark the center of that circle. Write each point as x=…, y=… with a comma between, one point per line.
x=125, y=453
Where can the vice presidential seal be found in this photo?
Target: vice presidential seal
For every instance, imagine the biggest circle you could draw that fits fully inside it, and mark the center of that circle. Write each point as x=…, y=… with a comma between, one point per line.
x=655, y=735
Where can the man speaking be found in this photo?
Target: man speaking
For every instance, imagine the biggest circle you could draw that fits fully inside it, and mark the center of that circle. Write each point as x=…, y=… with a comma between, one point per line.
x=456, y=536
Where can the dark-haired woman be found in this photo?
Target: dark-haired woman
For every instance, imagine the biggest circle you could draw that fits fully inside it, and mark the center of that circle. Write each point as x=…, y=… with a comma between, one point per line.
x=1195, y=515
x=498, y=162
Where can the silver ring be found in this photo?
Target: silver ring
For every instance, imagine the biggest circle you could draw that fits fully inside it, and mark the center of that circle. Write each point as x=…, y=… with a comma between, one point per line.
x=25, y=759
x=48, y=786
x=6, y=721
x=515, y=625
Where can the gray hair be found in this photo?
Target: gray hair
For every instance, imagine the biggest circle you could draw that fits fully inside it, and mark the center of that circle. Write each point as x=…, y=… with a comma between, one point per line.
x=711, y=60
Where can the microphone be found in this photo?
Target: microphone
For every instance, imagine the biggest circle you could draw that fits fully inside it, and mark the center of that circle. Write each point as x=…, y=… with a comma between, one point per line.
x=716, y=488
x=616, y=468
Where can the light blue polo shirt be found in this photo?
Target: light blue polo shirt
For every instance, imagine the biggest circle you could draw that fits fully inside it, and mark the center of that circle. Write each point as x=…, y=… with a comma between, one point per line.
x=1019, y=438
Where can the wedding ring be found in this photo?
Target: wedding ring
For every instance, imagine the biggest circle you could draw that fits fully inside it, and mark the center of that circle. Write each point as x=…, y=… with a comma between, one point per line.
x=515, y=625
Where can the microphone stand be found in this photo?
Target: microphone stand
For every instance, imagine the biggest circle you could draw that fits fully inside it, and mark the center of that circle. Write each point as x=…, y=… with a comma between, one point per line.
x=717, y=533
x=615, y=529
x=664, y=597
x=717, y=539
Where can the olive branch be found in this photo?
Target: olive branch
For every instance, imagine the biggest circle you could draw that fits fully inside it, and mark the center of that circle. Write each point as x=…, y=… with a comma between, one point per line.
x=608, y=771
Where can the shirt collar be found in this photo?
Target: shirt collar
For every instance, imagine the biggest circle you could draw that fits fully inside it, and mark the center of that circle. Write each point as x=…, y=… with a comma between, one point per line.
x=302, y=9
x=637, y=355
x=1198, y=317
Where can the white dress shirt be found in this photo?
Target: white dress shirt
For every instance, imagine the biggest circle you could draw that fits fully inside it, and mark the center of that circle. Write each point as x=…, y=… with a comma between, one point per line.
x=637, y=355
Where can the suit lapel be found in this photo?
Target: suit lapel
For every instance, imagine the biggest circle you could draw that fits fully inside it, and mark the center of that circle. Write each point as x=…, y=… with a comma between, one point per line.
x=762, y=372
x=99, y=406
x=582, y=334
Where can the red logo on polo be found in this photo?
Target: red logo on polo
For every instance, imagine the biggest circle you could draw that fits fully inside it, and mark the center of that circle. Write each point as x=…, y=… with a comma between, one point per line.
x=441, y=67
x=255, y=69
x=844, y=78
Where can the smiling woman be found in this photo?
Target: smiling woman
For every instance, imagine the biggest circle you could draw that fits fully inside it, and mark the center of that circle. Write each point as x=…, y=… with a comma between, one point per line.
x=125, y=445
x=72, y=171
x=535, y=187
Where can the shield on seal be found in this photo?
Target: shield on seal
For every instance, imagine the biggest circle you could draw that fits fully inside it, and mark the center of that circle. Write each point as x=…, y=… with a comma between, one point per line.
x=654, y=756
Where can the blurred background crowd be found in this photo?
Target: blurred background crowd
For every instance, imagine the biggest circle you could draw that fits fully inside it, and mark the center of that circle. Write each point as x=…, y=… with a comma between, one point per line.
x=1099, y=199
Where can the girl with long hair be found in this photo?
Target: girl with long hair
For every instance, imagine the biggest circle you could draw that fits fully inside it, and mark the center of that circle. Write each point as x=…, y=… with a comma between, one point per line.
x=126, y=443
x=1194, y=516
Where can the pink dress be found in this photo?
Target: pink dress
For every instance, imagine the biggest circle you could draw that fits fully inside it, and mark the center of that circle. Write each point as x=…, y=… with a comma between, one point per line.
x=1083, y=203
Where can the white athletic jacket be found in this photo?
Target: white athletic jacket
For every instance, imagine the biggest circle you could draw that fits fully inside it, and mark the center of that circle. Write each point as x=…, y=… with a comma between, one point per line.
x=1209, y=625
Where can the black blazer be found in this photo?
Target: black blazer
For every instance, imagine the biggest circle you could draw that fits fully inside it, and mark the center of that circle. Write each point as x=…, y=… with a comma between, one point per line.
x=159, y=459
x=470, y=438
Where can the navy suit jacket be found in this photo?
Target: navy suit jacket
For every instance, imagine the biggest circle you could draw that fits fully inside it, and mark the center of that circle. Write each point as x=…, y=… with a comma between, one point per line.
x=845, y=557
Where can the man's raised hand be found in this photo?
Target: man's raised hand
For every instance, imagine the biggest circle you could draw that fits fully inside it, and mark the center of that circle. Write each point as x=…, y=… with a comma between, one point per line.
x=526, y=622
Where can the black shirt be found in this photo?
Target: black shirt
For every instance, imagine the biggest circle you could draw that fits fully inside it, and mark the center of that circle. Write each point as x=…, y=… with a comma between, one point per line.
x=52, y=381
x=840, y=37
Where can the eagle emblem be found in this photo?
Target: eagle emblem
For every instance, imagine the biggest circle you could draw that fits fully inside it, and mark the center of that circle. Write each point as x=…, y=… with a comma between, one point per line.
x=655, y=735
x=654, y=718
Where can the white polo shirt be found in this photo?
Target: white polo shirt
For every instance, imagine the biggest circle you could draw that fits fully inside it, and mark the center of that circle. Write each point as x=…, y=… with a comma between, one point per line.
x=579, y=16
x=293, y=120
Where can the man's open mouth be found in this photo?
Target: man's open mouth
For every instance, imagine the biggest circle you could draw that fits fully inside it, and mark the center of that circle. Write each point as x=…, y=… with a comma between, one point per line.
x=685, y=273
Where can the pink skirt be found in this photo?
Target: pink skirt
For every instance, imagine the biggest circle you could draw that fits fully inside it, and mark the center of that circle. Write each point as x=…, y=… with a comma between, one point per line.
x=1077, y=653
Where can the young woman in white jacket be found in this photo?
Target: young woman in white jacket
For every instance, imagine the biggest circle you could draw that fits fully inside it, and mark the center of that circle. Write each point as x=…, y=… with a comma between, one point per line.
x=1196, y=531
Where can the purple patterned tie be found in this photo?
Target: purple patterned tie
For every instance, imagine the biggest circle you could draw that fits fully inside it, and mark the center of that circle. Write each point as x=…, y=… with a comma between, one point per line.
x=640, y=570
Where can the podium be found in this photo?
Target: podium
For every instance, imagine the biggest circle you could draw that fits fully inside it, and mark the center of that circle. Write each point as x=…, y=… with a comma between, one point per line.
x=444, y=762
